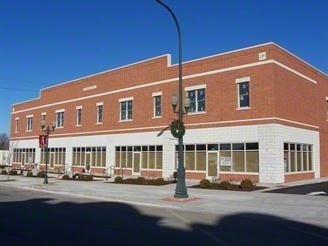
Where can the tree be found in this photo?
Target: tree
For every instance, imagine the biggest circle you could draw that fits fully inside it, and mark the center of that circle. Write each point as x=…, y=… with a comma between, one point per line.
x=4, y=141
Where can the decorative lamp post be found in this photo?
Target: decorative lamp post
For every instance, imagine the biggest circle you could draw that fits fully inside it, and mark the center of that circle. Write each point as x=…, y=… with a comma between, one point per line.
x=44, y=143
x=177, y=126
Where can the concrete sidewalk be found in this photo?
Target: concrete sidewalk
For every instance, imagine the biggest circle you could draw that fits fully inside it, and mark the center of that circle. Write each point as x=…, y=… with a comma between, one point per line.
x=307, y=209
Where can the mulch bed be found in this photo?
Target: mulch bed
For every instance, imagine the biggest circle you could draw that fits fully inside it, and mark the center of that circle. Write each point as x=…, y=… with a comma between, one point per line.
x=136, y=182
x=233, y=187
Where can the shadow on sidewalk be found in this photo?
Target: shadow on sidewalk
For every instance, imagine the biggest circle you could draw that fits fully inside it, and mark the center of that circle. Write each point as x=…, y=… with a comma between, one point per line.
x=44, y=222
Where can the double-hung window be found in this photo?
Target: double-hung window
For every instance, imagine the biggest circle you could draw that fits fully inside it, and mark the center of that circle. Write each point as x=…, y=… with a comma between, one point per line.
x=197, y=97
x=100, y=107
x=79, y=116
x=157, y=100
x=126, y=108
x=29, y=123
x=16, y=124
x=243, y=92
x=60, y=118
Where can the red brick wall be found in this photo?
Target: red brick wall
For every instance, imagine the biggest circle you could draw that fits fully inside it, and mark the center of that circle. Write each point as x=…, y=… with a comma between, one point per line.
x=298, y=176
x=274, y=92
x=239, y=177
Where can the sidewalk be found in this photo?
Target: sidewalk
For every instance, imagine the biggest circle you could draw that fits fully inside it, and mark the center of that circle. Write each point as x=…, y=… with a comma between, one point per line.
x=302, y=208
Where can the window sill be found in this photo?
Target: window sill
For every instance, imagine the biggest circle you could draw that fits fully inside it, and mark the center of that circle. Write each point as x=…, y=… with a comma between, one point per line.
x=157, y=117
x=99, y=123
x=196, y=113
x=125, y=120
x=243, y=108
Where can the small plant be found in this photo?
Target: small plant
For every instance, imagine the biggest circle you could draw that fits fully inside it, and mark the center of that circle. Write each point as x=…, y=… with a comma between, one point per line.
x=158, y=181
x=225, y=184
x=4, y=172
x=205, y=184
x=12, y=172
x=118, y=179
x=29, y=174
x=41, y=174
x=141, y=180
x=246, y=184
x=85, y=177
x=66, y=177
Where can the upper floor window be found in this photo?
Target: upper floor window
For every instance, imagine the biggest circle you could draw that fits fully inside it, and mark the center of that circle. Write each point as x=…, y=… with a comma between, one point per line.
x=60, y=118
x=78, y=116
x=16, y=124
x=243, y=92
x=126, y=108
x=326, y=108
x=29, y=123
x=99, y=112
x=43, y=117
x=197, y=97
x=157, y=102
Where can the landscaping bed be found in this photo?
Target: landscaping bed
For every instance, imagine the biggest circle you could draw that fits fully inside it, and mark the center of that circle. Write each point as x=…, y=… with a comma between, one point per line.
x=245, y=185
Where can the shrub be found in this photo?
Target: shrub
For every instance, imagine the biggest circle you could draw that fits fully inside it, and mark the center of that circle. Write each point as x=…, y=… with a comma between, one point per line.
x=141, y=180
x=118, y=179
x=85, y=177
x=12, y=172
x=246, y=184
x=204, y=183
x=88, y=177
x=225, y=184
x=158, y=181
x=29, y=174
x=41, y=174
x=4, y=172
x=66, y=177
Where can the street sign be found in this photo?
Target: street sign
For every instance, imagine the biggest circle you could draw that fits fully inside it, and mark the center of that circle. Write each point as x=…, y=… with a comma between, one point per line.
x=43, y=141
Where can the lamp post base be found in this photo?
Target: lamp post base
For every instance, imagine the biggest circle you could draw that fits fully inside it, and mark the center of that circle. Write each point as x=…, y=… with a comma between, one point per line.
x=181, y=190
x=46, y=179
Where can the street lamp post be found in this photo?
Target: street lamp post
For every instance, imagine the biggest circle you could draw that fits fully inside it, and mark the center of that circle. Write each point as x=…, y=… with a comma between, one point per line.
x=47, y=130
x=177, y=127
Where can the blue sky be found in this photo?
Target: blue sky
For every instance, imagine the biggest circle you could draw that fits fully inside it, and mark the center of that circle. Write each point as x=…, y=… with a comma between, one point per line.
x=43, y=43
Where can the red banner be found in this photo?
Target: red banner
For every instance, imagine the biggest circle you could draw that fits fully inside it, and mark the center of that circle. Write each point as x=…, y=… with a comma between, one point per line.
x=43, y=141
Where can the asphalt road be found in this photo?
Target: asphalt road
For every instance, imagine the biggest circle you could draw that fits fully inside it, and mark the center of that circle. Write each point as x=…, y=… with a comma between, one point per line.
x=320, y=189
x=37, y=218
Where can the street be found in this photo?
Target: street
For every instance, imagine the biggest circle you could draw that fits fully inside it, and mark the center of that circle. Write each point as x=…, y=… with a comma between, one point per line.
x=38, y=218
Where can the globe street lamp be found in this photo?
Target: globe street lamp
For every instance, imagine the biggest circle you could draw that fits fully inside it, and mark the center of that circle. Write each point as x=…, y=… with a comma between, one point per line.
x=177, y=126
x=44, y=142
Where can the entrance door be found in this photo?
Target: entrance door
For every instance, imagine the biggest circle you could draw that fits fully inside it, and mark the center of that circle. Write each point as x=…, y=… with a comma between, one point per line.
x=212, y=164
x=136, y=163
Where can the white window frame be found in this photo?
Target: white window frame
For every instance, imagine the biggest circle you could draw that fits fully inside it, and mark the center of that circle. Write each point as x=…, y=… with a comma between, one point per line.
x=240, y=81
x=60, y=116
x=196, y=88
x=100, y=114
x=126, y=101
x=43, y=116
x=16, y=124
x=155, y=95
x=29, y=123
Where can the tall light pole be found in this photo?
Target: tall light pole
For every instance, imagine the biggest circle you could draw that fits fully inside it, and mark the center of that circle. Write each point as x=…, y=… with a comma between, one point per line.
x=44, y=142
x=177, y=127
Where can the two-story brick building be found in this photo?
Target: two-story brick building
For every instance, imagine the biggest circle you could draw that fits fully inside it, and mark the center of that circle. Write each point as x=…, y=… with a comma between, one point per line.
x=258, y=112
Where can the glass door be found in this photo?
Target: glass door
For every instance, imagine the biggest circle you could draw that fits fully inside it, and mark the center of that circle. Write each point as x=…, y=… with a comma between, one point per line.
x=136, y=163
x=212, y=164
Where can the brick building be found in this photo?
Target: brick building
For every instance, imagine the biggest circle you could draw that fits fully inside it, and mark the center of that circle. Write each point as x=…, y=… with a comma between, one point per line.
x=258, y=112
